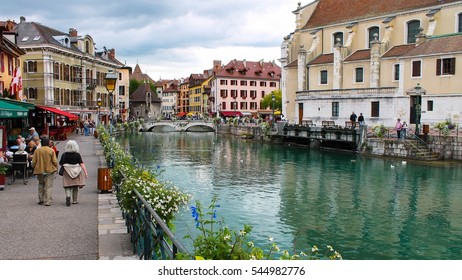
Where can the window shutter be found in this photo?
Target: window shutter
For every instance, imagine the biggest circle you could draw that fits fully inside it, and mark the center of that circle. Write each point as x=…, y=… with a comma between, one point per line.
x=438, y=67
x=452, y=66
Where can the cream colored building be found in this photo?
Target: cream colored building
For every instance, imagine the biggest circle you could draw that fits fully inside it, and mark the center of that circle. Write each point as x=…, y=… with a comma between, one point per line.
x=65, y=71
x=386, y=59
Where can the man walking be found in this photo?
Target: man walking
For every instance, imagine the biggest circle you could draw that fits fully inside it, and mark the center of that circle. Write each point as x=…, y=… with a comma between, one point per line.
x=353, y=119
x=45, y=165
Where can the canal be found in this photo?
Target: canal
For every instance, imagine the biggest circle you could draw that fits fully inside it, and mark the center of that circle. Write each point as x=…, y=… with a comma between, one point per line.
x=365, y=208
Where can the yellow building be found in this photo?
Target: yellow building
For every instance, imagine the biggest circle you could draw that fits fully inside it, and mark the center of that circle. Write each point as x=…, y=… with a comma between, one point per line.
x=64, y=70
x=386, y=59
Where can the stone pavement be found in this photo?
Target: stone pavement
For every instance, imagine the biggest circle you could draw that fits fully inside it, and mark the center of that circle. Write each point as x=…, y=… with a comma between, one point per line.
x=91, y=230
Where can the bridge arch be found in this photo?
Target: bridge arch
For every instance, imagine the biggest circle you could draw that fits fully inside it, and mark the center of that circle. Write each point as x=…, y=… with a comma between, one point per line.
x=179, y=126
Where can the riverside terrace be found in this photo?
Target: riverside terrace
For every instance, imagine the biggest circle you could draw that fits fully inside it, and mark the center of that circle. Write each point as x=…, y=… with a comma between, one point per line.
x=91, y=230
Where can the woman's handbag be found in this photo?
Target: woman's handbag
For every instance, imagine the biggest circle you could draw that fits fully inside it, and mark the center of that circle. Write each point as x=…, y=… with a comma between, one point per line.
x=61, y=171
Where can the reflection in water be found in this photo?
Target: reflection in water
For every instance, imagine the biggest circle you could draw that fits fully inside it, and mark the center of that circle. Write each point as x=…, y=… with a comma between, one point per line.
x=365, y=208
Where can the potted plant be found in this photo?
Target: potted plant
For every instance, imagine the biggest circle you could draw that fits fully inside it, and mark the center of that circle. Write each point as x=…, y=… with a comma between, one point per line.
x=3, y=172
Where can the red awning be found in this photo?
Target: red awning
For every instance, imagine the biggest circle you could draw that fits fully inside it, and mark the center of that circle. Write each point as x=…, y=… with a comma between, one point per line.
x=181, y=114
x=230, y=113
x=59, y=112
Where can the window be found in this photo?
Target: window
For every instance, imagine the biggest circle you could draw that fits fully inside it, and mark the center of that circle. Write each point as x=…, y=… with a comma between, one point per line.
x=243, y=93
x=429, y=105
x=335, y=109
x=121, y=90
x=223, y=93
x=375, y=106
x=30, y=66
x=459, y=20
x=396, y=72
x=262, y=94
x=234, y=82
x=263, y=84
x=243, y=83
x=323, y=77
x=243, y=105
x=359, y=75
x=416, y=68
x=223, y=105
x=31, y=93
x=338, y=38
x=272, y=84
x=253, y=83
x=253, y=105
x=373, y=31
x=253, y=94
x=233, y=93
x=446, y=66
x=412, y=31
x=223, y=82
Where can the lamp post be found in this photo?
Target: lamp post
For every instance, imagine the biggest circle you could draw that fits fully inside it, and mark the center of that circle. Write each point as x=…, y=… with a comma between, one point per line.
x=110, y=79
x=235, y=106
x=273, y=99
x=418, y=107
x=99, y=103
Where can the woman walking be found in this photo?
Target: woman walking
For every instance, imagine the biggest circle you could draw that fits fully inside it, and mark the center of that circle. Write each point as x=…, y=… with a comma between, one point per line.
x=75, y=173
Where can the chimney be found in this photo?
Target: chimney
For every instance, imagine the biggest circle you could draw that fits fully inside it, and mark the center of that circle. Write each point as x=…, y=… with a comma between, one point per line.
x=111, y=54
x=22, y=19
x=73, y=32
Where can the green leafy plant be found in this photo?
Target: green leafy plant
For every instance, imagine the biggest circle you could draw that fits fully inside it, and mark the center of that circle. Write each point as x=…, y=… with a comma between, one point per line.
x=165, y=198
x=379, y=130
x=445, y=127
x=3, y=169
x=216, y=241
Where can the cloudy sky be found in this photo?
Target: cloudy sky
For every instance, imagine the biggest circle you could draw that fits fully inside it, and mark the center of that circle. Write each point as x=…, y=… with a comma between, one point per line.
x=170, y=38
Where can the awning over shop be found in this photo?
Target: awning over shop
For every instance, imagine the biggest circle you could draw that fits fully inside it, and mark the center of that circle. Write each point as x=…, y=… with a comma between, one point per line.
x=181, y=114
x=11, y=111
x=59, y=112
x=230, y=113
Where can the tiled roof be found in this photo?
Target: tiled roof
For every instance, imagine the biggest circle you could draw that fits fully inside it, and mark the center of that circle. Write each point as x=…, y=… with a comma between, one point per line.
x=438, y=45
x=323, y=59
x=398, y=50
x=341, y=11
x=251, y=70
x=139, y=95
x=359, y=55
x=293, y=63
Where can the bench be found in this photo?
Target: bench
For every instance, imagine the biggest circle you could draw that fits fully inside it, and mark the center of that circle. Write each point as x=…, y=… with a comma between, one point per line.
x=328, y=124
x=308, y=123
x=350, y=124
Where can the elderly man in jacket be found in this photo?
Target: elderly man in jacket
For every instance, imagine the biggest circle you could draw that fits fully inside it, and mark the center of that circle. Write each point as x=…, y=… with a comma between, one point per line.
x=45, y=165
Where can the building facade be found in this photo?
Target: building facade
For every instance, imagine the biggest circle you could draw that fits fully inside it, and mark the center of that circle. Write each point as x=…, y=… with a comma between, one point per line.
x=238, y=87
x=64, y=70
x=386, y=59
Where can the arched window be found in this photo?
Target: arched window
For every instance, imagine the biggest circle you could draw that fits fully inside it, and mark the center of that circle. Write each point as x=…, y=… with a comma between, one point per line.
x=337, y=38
x=412, y=31
x=372, y=31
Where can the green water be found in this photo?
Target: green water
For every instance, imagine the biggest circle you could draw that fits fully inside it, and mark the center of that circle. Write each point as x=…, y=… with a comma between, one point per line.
x=365, y=208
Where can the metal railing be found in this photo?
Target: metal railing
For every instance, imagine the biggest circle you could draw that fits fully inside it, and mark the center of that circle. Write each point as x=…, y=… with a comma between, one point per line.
x=151, y=237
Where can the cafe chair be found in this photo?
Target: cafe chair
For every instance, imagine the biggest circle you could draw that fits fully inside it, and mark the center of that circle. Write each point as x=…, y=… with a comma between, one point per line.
x=19, y=163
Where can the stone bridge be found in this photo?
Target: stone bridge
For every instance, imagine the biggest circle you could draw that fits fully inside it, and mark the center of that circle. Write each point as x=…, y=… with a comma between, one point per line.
x=180, y=126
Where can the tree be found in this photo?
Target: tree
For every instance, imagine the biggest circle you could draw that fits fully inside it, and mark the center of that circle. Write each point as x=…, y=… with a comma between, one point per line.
x=267, y=101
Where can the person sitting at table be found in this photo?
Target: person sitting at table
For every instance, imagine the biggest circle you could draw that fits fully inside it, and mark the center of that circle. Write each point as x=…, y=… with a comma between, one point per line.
x=30, y=149
x=32, y=134
x=4, y=162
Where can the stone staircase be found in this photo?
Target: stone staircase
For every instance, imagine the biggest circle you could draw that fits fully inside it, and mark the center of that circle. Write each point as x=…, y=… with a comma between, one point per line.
x=420, y=150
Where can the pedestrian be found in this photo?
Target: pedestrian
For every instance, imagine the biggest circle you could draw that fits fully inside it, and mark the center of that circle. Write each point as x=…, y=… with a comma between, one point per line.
x=404, y=130
x=45, y=165
x=361, y=119
x=353, y=118
x=75, y=172
x=398, y=128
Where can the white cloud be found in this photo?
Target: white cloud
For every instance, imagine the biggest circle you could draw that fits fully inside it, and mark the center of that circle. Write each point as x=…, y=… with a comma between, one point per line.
x=172, y=38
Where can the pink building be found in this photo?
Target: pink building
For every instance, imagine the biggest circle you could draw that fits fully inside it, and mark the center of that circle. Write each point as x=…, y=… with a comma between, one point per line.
x=238, y=87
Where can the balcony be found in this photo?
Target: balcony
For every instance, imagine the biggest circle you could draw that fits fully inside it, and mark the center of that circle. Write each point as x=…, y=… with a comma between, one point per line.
x=347, y=93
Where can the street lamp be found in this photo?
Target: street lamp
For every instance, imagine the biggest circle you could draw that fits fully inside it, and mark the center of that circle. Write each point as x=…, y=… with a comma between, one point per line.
x=235, y=106
x=273, y=98
x=418, y=107
x=110, y=79
x=99, y=103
